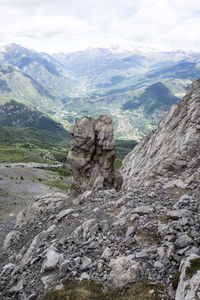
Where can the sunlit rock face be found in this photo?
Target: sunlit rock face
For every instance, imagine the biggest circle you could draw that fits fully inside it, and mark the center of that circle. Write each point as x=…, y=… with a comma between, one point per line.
x=92, y=154
x=169, y=155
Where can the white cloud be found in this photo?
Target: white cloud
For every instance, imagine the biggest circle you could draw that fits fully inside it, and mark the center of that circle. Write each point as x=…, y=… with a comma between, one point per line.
x=62, y=25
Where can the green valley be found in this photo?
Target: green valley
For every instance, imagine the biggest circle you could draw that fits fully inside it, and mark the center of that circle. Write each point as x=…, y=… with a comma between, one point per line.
x=135, y=87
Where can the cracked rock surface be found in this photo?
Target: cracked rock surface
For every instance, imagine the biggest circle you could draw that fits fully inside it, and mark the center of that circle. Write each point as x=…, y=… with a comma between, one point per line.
x=92, y=154
x=170, y=154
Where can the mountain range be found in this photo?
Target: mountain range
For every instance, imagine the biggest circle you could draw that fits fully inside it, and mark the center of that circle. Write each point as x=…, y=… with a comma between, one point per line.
x=134, y=86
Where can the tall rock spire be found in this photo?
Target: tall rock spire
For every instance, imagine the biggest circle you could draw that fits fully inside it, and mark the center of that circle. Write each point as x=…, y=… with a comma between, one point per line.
x=92, y=154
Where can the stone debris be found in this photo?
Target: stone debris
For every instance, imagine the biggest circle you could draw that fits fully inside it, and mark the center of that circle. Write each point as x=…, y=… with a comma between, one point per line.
x=97, y=238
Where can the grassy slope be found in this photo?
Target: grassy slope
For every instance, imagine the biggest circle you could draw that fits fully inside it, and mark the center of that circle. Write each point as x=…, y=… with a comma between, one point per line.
x=90, y=290
x=31, y=145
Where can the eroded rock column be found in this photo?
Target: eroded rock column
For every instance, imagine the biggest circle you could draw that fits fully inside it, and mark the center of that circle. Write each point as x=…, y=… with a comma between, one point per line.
x=92, y=154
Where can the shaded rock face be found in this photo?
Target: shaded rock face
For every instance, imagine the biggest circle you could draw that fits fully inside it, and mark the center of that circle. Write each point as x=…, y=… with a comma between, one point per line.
x=172, y=151
x=92, y=154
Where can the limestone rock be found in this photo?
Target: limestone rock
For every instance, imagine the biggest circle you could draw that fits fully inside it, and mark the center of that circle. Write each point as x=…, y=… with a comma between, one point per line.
x=123, y=271
x=64, y=213
x=92, y=154
x=47, y=281
x=183, y=241
x=107, y=253
x=86, y=230
x=84, y=276
x=171, y=151
x=86, y=263
x=111, y=244
x=188, y=288
x=18, y=287
x=51, y=260
x=9, y=239
x=43, y=204
x=82, y=198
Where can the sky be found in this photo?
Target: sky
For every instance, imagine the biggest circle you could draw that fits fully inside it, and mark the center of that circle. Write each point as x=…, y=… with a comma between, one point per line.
x=71, y=25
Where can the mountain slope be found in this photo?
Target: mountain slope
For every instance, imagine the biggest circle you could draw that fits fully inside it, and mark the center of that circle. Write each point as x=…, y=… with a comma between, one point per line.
x=15, y=114
x=43, y=68
x=155, y=97
x=172, y=149
x=17, y=85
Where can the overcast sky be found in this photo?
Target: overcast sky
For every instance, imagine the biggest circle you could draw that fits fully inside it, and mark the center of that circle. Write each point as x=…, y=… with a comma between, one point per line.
x=67, y=25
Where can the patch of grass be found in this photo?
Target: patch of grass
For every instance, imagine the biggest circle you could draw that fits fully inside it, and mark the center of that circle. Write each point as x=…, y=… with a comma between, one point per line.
x=31, y=137
x=91, y=290
x=149, y=237
x=123, y=147
x=62, y=171
x=175, y=280
x=193, y=268
x=118, y=163
x=164, y=219
x=3, y=193
x=13, y=154
x=178, y=192
x=56, y=184
x=114, y=211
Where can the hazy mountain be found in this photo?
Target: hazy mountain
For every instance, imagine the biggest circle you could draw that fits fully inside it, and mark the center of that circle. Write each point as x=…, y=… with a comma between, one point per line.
x=18, y=85
x=101, y=62
x=42, y=68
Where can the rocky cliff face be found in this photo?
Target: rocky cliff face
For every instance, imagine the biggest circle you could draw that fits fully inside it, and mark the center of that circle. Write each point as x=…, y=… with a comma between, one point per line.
x=172, y=151
x=92, y=154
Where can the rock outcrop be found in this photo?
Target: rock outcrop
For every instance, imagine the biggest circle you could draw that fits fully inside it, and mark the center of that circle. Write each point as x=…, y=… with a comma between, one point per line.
x=189, y=282
x=92, y=154
x=172, y=151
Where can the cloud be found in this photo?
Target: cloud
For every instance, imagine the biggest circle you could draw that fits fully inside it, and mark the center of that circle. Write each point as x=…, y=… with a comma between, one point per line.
x=64, y=25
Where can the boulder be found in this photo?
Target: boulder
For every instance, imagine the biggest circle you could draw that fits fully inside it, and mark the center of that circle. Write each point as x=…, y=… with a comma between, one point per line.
x=52, y=259
x=87, y=229
x=123, y=271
